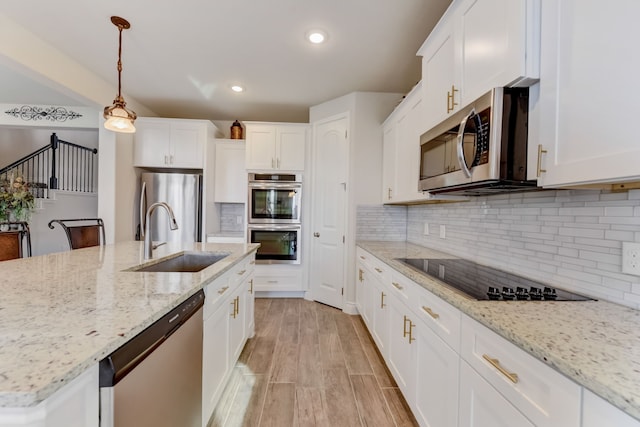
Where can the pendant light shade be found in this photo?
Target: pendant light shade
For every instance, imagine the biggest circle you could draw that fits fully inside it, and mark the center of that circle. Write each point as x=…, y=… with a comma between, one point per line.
x=118, y=117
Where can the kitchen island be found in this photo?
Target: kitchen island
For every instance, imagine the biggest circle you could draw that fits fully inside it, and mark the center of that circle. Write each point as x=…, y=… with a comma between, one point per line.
x=596, y=344
x=62, y=313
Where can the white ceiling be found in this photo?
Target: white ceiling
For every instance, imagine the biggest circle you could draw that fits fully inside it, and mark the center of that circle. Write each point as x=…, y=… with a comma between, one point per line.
x=180, y=57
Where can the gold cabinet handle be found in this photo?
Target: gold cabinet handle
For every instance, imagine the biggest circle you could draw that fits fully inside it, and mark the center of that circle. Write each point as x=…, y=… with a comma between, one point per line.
x=430, y=312
x=541, y=151
x=389, y=194
x=223, y=290
x=378, y=270
x=360, y=274
x=397, y=286
x=241, y=272
x=236, y=307
x=451, y=96
x=251, y=286
x=513, y=377
x=406, y=332
x=382, y=304
x=278, y=163
x=361, y=257
x=273, y=163
x=411, y=338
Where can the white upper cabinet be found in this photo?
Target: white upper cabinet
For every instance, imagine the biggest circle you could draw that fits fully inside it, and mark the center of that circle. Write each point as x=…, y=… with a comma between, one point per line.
x=478, y=45
x=587, y=106
x=171, y=143
x=275, y=146
x=230, y=172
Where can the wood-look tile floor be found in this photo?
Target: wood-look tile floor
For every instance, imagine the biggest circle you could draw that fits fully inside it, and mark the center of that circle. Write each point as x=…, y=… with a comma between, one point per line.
x=310, y=365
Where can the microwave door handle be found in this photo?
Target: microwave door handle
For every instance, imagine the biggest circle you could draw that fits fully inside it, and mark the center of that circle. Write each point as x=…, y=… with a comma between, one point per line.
x=143, y=207
x=461, y=160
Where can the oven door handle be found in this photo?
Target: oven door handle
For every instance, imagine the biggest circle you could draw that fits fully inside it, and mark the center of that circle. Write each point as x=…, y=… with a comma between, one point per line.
x=292, y=227
x=275, y=185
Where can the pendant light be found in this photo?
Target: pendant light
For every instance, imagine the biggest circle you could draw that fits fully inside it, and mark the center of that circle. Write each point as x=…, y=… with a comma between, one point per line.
x=118, y=117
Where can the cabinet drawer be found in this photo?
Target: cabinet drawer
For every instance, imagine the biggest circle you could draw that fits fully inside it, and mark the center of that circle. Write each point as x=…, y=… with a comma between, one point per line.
x=241, y=271
x=380, y=270
x=276, y=278
x=214, y=292
x=405, y=289
x=441, y=317
x=543, y=395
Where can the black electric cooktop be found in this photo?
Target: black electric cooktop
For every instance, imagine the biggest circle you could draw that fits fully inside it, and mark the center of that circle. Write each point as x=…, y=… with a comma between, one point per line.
x=486, y=283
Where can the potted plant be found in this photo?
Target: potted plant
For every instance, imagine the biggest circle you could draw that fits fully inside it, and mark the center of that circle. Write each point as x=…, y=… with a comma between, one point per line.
x=16, y=201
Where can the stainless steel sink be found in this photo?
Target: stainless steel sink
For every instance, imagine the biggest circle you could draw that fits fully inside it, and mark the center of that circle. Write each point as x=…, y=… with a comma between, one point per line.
x=187, y=262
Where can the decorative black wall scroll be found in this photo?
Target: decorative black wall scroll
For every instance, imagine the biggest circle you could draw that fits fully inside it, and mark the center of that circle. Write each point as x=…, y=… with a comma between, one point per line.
x=34, y=113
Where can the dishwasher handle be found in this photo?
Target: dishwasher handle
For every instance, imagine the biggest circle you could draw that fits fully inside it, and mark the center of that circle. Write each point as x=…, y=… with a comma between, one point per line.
x=118, y=364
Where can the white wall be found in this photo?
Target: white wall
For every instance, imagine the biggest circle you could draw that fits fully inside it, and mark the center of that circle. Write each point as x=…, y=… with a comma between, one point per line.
x=63, y=205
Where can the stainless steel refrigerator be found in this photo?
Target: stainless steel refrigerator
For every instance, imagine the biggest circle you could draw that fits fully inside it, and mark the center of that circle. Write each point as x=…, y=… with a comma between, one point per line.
x=183, y=192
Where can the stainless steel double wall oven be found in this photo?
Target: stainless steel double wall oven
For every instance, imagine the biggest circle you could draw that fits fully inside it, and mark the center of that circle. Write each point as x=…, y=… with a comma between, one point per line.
x=275, y=217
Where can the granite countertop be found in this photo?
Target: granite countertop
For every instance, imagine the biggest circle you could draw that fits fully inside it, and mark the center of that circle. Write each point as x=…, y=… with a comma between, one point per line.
x=595, y=343
x=62, y=313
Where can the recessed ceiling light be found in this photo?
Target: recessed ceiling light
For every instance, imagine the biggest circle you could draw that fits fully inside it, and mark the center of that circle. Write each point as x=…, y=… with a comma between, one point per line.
x=316, y=36
x=237, y=88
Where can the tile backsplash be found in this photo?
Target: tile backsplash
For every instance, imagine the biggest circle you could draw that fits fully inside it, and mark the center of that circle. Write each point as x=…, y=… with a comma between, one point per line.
x=569, y=238
x=379, y=222
x=229, y=213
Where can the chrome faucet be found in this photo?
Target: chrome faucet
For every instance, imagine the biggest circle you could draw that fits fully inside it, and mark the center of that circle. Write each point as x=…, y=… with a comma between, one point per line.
x=147, y=234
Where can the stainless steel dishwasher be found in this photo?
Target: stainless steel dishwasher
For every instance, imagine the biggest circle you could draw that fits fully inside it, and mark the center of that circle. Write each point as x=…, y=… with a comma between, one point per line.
x=155, y=380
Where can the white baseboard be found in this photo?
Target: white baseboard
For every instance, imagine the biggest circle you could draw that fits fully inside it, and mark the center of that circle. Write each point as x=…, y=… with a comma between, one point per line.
x=350, y=308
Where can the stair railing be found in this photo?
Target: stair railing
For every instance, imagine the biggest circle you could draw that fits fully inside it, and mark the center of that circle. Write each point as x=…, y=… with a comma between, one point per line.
x=61, y=165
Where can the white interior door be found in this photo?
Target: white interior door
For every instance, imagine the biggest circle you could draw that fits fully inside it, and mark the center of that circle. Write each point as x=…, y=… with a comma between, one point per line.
x=330, y=158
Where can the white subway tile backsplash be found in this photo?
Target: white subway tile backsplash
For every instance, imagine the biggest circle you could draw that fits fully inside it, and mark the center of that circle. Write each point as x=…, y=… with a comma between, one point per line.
x=571, y=238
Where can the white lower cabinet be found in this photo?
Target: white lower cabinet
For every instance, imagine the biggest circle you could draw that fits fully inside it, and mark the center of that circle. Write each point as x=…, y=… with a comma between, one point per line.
x=596, y=412
x=544, y=396
x=75, y=405
x=436, y=375
x=380, y=316
x=215, y=359
x=481, y=405
x=228, y=322
x=401, y=354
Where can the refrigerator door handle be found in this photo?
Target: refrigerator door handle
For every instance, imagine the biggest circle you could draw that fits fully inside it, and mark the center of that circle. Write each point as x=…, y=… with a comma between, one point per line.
x=143, y=208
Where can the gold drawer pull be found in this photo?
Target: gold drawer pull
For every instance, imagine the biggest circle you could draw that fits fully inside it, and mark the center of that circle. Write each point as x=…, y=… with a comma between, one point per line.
x=361, y=257
x=251, y=286
x=541, y=151
x=360, y=273
x=241, y=272
x=397, y=286
x=430, y=312
x=378, y=270
x=513, y=377
x=382, y=304
x=223, y=290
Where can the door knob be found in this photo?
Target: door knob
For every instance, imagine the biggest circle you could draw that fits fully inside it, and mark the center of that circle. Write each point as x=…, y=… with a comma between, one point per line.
x=316, y=234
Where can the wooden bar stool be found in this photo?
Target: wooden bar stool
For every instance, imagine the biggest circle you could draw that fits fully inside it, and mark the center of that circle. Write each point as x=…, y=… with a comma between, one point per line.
x=88, y=231
x=14, y=241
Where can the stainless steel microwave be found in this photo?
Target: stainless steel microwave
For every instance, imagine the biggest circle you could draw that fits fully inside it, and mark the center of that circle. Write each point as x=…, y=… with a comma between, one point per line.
x=481, y=149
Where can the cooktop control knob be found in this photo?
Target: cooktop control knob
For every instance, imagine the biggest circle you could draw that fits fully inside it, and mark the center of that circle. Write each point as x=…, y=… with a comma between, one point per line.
x=493, y=293
x=549, y=293
x=522, y=293
x=507, y=293
x=535, y=293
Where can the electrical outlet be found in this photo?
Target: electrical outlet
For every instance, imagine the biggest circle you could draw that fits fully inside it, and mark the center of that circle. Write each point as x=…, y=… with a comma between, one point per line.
x=442, y=231
x=631, y=258
x=426, y=229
